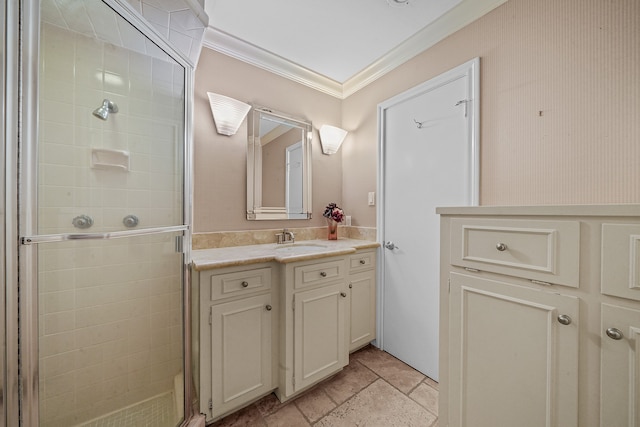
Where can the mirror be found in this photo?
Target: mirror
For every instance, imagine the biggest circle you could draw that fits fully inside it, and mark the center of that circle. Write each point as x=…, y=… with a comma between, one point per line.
x=278, y=166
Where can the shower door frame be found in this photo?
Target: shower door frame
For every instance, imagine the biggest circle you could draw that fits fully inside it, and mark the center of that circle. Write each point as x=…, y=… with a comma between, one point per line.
x=10, y=108
x=23, y=33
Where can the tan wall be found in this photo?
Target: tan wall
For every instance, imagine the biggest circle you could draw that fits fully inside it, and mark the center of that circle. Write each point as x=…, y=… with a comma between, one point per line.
x=220, y=161
x=559, y=114
x=560, y=105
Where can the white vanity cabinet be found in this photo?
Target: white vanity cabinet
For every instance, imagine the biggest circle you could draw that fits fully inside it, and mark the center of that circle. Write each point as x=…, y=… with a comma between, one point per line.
x=280, y=324
x=539, y=316
x=315, y=302
x=238, y=335
x=362, y=299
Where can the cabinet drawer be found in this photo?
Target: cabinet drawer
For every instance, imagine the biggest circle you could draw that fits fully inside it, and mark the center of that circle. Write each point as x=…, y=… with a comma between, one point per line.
x=621, y=260
x=316, y=274
x=362, y=261
x=240, y=283
x=546, y=251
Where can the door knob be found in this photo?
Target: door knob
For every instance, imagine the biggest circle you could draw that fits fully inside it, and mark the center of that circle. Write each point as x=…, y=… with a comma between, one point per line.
x=343, y=294
x=390, y=245
x=268, y=307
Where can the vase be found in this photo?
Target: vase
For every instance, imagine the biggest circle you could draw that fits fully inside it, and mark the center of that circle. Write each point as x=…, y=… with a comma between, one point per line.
x=332, y=229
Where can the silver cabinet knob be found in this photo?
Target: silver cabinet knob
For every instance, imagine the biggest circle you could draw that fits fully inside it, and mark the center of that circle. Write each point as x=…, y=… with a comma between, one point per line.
x=363, y=262
x=614, y=334
x=501, y=247
x=323, y=274
x=268, y=307
x=244, y=284
x=564, y=319
x=343, y=295
x=82, y=221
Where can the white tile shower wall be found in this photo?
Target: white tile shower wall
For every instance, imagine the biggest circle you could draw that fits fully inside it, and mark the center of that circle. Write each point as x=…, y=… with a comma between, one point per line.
x=179, y=21
x=110, y=312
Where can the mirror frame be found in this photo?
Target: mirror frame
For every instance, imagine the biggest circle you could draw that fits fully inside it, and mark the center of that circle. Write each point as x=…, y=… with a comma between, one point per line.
x=255, y=212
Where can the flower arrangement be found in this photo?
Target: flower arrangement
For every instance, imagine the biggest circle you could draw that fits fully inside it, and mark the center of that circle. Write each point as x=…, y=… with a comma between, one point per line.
x=333, y=212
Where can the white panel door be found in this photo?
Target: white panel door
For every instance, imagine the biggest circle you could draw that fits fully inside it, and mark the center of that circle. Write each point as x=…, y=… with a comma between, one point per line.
x=428, y=159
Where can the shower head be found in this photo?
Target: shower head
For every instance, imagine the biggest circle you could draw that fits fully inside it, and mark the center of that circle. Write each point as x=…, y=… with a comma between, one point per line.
x=104, y=110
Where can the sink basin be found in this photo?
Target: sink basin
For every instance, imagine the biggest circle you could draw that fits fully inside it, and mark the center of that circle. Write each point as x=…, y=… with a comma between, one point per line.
x=300, y=248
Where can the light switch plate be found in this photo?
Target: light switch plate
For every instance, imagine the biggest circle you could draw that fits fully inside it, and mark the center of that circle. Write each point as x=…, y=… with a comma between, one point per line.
x=372, y=198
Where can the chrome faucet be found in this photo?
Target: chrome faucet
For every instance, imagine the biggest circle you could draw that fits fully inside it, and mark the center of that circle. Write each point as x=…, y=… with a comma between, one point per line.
x=285, y=237
x=288, y=236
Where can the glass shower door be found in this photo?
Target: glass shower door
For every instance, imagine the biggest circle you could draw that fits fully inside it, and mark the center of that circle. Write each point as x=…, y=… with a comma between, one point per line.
x=105, y=201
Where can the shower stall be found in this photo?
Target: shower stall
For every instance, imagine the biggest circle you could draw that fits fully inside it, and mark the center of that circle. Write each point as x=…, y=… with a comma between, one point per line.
x=97, y=218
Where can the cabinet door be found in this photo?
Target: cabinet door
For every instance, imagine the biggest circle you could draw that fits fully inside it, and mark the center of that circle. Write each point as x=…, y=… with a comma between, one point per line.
x=241, y=352
x=621, y=260
x=512, y=363
x=620, y=366
x=362, y=322
x=319, y=334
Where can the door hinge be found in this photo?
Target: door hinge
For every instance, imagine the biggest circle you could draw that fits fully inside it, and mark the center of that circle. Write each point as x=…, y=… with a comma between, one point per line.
x=449, y=284
x=210, y=317
x=293, y=380
x=211, y=405
x=293, y=303
x=180, y=244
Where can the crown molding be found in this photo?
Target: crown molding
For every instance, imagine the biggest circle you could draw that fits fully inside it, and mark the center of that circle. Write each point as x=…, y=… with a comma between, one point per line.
x=231, y=46
x=458, y=17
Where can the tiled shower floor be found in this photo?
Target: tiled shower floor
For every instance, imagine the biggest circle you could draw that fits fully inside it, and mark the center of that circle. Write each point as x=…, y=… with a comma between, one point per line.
x=375, y=389
x=155, y=412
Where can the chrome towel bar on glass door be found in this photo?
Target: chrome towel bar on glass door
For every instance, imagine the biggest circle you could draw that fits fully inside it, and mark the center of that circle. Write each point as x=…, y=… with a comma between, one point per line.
x=45, y=238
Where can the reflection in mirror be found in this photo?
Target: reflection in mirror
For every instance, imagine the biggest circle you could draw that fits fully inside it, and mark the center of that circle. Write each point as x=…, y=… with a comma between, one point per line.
x=278, y=166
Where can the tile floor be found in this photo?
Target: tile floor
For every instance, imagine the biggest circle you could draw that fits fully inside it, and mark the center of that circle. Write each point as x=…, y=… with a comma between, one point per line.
x=374, y=390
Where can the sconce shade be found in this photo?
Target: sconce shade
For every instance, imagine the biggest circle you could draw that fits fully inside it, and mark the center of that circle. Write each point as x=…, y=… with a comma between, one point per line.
x=331, y=138
x=228, y=113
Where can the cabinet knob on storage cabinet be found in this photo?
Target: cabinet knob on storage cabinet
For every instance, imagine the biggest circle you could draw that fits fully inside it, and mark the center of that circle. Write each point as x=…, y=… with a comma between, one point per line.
x=245, y=284
x=501, y=247
x=350, y=285
x=268, y=307
x=614, y=334
x=363, y=262
x=343, y=295
x=323, y=274
x=564, y=319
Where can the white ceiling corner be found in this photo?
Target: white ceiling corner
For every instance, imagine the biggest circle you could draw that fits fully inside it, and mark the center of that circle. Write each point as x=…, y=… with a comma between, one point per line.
x=344, y=62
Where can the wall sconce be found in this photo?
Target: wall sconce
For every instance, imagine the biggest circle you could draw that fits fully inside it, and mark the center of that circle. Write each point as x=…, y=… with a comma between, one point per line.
x=331, y=138
x=228, y=113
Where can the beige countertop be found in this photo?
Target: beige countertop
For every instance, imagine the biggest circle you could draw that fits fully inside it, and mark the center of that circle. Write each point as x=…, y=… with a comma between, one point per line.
x=204, y=259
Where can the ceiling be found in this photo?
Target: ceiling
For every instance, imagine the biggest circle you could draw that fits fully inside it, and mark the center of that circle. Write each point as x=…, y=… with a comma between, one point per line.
x=335, y=46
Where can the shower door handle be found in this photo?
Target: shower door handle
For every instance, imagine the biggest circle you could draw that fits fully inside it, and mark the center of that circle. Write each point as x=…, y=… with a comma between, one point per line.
x=45, y=238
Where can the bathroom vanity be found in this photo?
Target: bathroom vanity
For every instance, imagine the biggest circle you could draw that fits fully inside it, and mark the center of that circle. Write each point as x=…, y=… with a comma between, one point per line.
x=279, y=317
x=540, y=316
